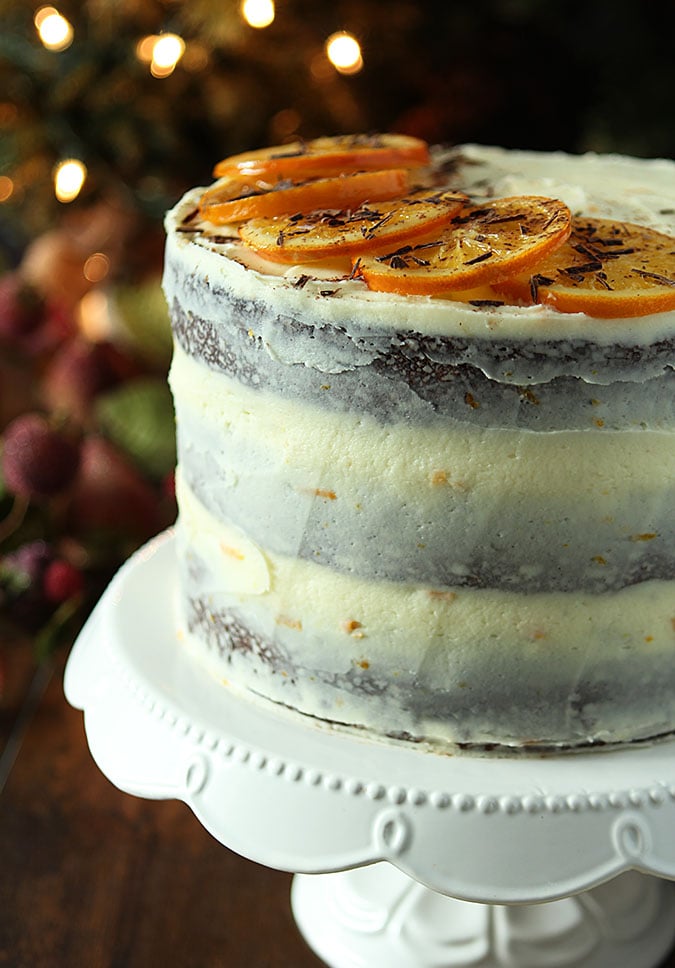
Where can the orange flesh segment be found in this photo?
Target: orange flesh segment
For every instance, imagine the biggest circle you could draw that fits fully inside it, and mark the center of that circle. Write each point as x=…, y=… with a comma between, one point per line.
x=218, y=207
x=328, y=156
x=606, y=269
x=307, y=237
x=480, y=246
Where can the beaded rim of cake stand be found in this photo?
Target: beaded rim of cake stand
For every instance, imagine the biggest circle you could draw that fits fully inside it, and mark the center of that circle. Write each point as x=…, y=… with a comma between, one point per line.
x=396, y=795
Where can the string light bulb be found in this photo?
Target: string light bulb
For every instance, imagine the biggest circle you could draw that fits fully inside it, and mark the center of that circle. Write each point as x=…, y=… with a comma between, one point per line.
x=69, y=177
x=258, y=13
x=6, y=188
x=344, y=52
x=54, y=30
x=167, y=50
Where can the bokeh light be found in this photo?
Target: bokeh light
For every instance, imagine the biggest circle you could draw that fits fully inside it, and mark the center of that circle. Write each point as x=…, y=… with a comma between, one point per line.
x=6, y=188
x=258, y=13
x=166, y=52
x=96, y=267
x=94, y=316
x=55, y=32
x=69, y=177
x=344, y=52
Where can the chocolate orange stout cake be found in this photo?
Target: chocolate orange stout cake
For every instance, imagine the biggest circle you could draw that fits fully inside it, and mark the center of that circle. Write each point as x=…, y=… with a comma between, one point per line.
x=425, y=424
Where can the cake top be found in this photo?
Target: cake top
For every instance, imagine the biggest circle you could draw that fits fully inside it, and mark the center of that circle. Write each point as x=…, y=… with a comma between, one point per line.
x=479, y=239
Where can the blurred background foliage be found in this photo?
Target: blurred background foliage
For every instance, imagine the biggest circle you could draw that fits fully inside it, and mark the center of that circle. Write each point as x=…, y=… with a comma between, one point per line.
x=84, y=338
x=525, y=73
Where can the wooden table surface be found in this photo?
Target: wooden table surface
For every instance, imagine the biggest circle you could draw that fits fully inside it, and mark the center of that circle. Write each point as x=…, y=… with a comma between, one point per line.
x=91, y=877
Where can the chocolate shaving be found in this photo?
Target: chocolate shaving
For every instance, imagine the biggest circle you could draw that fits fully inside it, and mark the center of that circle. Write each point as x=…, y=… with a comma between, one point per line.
x=507, y=218
x=472, y=216
x=392, y=255
x=302, y=230
x=480, y=258
x=590, y=253
x=434, y=199
x=582, y=269
x=550, y=220
x=615, y=253
x=369, y=231
x=662, y=280
x=356, y=270
x=608, y=242
x=485, y=302
x=301, y=281
x=398, y=262
x=191, y=216
x=536, y=281
x=327, y=292
x=397, y=258
x=427, y=245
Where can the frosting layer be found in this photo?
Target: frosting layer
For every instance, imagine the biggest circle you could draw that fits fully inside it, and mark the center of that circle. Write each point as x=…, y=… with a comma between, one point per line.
x=399, y=501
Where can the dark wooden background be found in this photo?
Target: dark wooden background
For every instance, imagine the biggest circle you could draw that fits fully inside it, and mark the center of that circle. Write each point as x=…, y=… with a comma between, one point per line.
x=94, y=878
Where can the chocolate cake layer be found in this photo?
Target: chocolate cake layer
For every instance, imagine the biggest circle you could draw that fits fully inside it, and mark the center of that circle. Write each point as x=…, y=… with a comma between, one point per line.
x=590, y=708
x=394, y=376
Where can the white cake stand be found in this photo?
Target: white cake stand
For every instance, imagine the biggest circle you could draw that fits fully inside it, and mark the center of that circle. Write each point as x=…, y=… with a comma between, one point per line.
x=406, y=859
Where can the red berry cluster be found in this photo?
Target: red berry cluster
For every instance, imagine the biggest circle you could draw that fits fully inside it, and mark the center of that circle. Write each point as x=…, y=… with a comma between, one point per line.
x=38, y=460
x=73, y=503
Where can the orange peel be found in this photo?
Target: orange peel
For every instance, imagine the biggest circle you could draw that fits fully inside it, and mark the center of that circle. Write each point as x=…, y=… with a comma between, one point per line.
x=606, y=269
x=480, y=246
x=367, y=228
x=322, y=157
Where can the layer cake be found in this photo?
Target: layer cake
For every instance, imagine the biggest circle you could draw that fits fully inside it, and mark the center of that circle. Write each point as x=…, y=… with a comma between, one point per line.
x=441, y=518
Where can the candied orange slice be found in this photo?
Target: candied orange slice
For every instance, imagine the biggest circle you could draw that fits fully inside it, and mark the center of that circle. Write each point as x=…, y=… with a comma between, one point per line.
x=238, y=198
x=328, y=156
x=307, y=237
x=606, y=269
x=481, y=245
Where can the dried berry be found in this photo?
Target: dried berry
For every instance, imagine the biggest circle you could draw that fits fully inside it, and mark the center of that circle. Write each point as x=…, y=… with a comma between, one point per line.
x=110, y=496
x=37, y=460
x=21, y=584
x=62, y=581
x=79, y=373
x=21, y=308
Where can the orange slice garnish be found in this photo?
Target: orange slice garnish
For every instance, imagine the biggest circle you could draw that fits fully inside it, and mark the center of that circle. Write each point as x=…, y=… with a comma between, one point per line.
x=478, y=247
x=605, y=269
x=239, y=198
x=328, y=156
x=320, y=234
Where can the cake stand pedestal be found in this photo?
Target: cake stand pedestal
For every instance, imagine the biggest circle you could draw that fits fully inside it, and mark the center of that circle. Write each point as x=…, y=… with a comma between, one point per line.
x=403, y=858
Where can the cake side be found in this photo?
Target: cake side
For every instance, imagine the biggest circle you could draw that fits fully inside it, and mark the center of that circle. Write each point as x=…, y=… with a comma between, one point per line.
x=426, y=517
